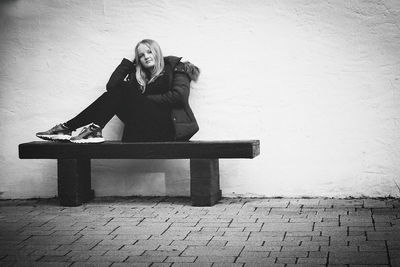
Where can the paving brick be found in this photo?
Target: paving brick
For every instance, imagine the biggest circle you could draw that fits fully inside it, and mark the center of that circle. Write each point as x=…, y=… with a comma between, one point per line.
x=286, y=260
x=383, y=236
x=314, y=243
x=142, y=229
x=107, y=247
x=312, y=265
x=302, y=227
x=394, y=254
x=338, y=238
x=123, y=253
x=395, y=262
x=282, y=243
x=161, y=253
x=262, y=248
x=194, y=264
x=116, y=242
x=339, y=248
x=248, y=243
x=171, y=248
x=91, y=264
x=234, y=234
x=231, y=229
x=86, y=253
x=308, y=234
x=372, y=247
x=267, y=236
x=256, y=254
x=20, y=258
x=53, y=258
x=180, y=259
x=300, y=248
x=157, y=264
x=220, y=259
x=309, y=261
x=108, y=258
x=145, y=259
x=318, y=254
x=297, y=238
x=211, y=251
x=134, y=237
x=358, y=258
x=185, y=229
x=393, y=244
x=229, y=238
x=222, y=243
x=45, y=264
x=260, y=261
x=153, y=242
x=265, y=264
x=252, y=229
x=224, y=264
x=48, y=252
x=209, y=229
x=289, y=254
x=270, y=219
x=189, y=243
x=139, y=247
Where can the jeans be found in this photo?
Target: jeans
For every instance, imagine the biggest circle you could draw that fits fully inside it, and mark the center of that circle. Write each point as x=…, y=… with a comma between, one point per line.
x=144, y=120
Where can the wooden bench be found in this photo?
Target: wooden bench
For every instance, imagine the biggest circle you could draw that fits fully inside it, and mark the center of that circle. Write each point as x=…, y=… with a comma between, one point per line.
x=74, y=172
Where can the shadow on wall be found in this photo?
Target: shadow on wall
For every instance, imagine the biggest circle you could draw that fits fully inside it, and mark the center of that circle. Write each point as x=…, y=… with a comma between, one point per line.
x=141, y=177
x=4, y=20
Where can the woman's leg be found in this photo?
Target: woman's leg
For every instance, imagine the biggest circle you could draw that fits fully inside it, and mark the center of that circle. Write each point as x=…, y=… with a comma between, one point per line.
x=99, y=112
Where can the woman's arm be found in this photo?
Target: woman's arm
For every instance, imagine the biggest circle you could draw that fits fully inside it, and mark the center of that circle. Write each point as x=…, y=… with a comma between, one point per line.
x=178, y=95
x=117, y=77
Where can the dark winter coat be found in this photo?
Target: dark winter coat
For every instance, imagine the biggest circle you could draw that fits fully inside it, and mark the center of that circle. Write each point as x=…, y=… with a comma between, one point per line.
x=177, y=97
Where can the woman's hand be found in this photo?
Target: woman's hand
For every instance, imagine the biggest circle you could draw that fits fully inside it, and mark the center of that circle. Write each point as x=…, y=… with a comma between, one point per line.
x=118, y=76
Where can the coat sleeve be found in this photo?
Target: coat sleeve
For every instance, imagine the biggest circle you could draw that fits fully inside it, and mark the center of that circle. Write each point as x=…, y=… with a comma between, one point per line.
x=178, y=95
x=119, y=74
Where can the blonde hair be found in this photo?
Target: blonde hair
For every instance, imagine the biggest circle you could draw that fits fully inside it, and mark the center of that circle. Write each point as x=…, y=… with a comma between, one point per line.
x=141, y=72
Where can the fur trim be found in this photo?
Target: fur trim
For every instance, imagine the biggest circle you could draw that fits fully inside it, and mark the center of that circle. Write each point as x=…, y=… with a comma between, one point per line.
x=192, y=70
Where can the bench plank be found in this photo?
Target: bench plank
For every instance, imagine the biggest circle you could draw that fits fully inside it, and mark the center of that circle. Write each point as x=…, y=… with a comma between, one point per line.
x=149, y=150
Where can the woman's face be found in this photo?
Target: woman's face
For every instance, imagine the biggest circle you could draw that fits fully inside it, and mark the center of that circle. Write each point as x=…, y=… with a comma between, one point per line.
x=146, y=57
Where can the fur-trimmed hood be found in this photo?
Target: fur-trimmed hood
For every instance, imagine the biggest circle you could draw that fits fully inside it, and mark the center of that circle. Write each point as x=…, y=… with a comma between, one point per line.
x=192, y=70
x=183, y=66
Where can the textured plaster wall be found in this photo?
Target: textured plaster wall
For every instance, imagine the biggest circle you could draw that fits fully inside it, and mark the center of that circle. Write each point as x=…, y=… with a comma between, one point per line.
x=316, y=81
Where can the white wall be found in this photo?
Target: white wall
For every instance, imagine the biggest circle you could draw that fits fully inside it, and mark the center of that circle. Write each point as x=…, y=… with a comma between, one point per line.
x=316, y=81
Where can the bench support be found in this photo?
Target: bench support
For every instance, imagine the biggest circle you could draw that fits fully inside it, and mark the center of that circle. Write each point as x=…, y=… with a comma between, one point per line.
x=74, y=181
x=204, y=182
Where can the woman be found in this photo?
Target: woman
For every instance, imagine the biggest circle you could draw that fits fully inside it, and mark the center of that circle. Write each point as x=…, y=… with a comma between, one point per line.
x=150, y=95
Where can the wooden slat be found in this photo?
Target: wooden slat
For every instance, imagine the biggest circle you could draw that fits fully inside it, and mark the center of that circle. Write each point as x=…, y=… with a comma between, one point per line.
x=153, y=150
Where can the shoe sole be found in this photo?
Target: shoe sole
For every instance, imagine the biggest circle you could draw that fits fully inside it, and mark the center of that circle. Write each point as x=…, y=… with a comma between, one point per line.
x=95, y=140
x=55, y=137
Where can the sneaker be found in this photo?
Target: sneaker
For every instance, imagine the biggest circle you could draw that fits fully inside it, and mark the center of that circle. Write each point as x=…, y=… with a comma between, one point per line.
x=58, y=132
x=89, y=134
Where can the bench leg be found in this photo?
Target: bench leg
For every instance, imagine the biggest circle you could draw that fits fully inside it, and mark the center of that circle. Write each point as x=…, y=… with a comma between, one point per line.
x=74, y=181
x=204, y=182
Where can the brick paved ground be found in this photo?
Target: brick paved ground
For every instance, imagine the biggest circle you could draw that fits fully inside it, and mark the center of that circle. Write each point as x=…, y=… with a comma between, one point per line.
x=170, y=232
